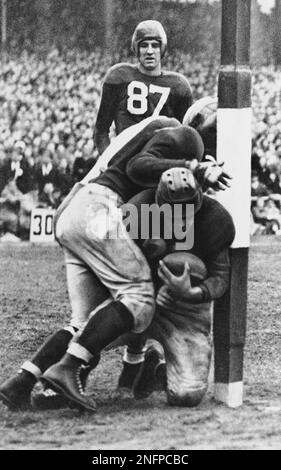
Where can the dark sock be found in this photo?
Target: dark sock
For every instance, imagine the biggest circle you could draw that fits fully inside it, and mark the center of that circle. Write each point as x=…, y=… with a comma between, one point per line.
x=129, y=374
x=136, y=343
x=161, y=375
x=105, y=326
x=29, y=380
x=52, y=350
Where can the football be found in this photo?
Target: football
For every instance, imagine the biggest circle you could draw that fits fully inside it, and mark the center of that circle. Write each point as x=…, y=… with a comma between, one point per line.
x=175, y=263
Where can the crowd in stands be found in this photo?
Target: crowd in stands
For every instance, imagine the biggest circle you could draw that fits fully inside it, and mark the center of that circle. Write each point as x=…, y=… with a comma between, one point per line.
x=266, y=203
x=47, y=115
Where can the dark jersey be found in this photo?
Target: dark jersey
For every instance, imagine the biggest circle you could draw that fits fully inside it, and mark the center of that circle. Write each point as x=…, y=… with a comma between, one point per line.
x=163, y=144
x=213, y=234
x=81, y=167
x=130, y=96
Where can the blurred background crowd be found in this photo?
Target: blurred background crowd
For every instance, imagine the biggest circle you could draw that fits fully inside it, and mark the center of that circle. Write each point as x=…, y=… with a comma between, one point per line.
x=50, y=96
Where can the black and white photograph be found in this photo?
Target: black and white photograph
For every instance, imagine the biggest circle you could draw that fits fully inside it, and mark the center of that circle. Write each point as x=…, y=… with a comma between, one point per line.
x=140, y=227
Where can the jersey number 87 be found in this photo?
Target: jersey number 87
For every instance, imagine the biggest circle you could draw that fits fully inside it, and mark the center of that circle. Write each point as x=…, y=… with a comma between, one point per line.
x=138, y=94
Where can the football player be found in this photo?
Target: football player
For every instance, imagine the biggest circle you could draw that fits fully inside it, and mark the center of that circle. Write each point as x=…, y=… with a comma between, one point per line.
x=131, y=93
x=182, y=321
x=95, y=260
x=202, y=116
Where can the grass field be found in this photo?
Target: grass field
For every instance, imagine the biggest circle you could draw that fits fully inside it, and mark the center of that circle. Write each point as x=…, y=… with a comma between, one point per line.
x=34, y=303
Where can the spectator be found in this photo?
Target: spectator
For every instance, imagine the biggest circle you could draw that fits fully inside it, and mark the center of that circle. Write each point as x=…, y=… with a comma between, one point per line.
x=51, y=102
x=258, y=211
x=83, y=164
x=9, y=208
x=64, y=181
x=45, y=172
x=15, y=211
x=16, y=168
x=273, y=215
x=266, y=213
x=48, y=197
x=273, y=181
x=257, y=188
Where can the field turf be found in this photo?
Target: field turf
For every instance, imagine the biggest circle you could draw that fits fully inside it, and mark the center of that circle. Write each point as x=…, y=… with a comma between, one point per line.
x=34, y=303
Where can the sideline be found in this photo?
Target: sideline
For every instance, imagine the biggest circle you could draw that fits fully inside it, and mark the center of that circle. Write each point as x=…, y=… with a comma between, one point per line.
x=260, y=240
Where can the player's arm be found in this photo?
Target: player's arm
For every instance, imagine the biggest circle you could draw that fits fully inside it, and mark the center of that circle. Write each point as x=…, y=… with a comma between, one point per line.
x=105, y=116
x=160, y=154
x=218, y=277
x=183, y=100
x=180, y=288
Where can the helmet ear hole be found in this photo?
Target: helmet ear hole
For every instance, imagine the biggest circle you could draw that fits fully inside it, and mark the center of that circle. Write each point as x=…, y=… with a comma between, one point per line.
x=180, y=187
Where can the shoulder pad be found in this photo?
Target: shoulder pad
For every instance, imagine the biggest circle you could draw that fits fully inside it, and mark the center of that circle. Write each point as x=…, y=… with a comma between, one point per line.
x=168, y=122
x=119, y=73
x=178, y=79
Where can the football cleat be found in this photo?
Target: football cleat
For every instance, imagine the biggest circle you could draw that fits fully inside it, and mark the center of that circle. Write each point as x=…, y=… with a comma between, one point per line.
x=153, y=375
x=64, y=377
x=15, y=392
x=49, y=399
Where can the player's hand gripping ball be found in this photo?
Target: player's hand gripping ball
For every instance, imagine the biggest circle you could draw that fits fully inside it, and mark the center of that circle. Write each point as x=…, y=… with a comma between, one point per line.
x=181, y=273
x=176, y=261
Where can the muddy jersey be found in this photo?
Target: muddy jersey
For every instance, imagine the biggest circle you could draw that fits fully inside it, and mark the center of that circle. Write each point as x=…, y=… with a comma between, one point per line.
x=130, y=96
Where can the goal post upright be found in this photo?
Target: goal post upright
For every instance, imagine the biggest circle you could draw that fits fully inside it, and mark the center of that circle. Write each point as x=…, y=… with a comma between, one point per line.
x=234, y=148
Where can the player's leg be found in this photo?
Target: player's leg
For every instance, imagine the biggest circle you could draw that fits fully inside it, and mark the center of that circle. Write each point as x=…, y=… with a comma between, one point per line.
x=122, y=268
x=15, y=392
x=133, y=358
x=188, y=356
x=87, y=295
x=152, y=376
x=183, y=330
x=136, y=350
x=102, y=329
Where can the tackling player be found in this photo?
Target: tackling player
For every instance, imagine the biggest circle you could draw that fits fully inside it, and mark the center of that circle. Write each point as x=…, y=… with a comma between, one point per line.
x=131, y=93
x=90, y=253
